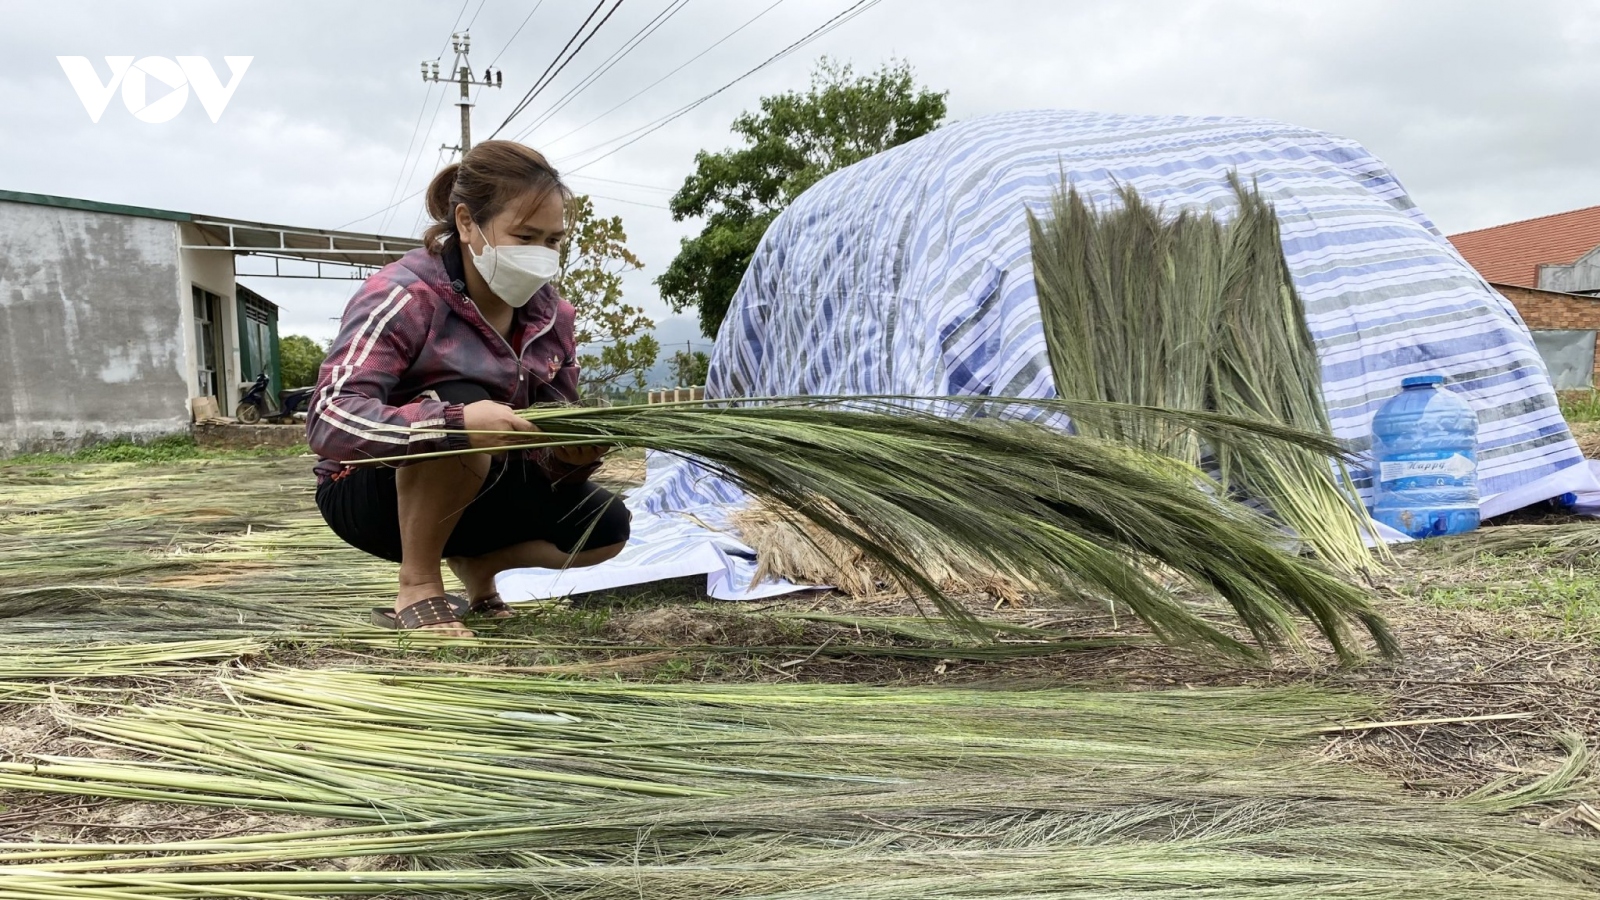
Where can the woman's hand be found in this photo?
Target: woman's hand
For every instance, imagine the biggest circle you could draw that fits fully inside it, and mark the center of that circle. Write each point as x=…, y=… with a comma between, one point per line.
x=487, y=415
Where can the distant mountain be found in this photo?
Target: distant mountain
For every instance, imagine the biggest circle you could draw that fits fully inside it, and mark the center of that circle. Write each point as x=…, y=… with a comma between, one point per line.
x=674, y=333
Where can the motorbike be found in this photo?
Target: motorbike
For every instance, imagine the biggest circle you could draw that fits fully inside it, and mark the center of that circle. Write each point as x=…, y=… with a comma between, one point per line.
x=258, y=404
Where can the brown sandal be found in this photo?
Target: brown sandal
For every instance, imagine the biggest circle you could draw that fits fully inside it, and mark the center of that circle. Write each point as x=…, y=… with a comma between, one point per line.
x=491, y=606
x=441, y=610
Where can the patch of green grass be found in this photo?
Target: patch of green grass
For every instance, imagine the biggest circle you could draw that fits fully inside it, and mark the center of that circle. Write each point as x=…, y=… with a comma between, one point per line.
x=555, y=620
x=1571, y=602
x=1580, y=406
x=172, y=448
x=673, y=670
x=792, y=630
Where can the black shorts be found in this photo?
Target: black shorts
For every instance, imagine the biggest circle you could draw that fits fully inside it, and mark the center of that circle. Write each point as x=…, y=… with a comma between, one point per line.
x=516, y=504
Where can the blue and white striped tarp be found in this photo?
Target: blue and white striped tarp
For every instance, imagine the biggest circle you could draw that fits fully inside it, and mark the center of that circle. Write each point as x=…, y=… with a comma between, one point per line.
x=910, y=273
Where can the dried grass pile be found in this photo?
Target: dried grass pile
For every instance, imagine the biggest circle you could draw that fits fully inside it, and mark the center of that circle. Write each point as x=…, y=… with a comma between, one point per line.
x=789, y=547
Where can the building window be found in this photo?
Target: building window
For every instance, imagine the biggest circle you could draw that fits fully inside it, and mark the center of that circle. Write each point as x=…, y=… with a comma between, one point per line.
x=207, y=341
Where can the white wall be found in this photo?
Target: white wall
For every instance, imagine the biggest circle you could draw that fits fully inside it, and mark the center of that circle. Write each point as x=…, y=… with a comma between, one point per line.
x=213, y=271
x=91, y=341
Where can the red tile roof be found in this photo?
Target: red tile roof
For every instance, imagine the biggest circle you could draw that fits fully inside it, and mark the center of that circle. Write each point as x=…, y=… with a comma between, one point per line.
x=1512, y=254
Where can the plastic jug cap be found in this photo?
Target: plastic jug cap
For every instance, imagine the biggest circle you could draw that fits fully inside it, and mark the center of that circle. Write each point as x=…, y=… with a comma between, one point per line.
x=1421, y=381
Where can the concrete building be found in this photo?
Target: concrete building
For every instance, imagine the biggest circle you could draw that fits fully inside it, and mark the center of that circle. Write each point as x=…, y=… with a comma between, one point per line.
x=114, y=318
x=1549, y=268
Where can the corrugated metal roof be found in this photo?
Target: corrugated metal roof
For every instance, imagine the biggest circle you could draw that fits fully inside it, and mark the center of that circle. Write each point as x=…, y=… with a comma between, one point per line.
x=343, y=248
x=1512, y=253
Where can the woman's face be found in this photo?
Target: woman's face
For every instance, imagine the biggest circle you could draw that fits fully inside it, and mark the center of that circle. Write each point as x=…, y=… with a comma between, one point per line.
x=528, y=221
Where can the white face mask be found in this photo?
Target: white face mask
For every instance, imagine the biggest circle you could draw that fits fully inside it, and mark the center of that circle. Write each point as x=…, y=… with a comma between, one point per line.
x=515, y=273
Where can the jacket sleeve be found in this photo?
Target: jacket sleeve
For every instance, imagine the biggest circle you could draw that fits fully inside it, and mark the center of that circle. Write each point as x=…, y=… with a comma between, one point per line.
x=351, y=417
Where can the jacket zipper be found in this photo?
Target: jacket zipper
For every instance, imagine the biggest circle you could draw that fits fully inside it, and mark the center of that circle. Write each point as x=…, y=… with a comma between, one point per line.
x=522, y=371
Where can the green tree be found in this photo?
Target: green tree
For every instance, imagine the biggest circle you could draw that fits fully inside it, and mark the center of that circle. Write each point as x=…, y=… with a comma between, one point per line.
x=794, y=141
x=299, y=357
x=617, y=346
x=689, y=369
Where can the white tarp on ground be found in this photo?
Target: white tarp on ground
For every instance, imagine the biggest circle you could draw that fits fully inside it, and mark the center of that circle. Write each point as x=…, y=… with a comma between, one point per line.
x=679, y=543
x=910, y=273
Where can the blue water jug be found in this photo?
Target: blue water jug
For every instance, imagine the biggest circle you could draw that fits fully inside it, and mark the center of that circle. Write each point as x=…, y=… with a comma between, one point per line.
x=1425, y=460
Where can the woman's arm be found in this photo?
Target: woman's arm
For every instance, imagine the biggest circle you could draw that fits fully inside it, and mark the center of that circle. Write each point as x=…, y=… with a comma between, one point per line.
x=350, y=416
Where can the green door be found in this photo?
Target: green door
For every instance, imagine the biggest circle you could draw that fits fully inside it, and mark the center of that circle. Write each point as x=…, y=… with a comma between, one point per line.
x=258, y=340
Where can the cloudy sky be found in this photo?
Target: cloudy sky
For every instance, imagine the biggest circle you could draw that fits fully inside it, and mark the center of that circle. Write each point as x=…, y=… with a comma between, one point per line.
x=1485, y=108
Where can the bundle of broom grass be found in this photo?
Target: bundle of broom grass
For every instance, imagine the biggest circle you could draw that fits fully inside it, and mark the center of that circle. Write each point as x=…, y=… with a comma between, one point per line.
x=1191, y=313
x=917, y=485
x=436, y=784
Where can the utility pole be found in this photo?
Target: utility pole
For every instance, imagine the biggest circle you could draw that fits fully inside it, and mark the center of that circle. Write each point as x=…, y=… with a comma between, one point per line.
x=462, y=69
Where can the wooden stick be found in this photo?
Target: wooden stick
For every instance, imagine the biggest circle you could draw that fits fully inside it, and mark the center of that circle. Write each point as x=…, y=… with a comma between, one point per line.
x=1405, y=723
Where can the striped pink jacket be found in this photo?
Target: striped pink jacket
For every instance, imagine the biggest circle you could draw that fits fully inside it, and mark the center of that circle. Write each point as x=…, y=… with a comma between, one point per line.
x=411, y=327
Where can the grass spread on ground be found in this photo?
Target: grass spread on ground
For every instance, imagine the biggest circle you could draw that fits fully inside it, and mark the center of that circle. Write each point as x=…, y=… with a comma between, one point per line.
x=191, y=706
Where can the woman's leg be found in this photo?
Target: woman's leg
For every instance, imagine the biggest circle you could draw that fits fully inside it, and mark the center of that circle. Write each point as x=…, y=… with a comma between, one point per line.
x=477, y=573
x=432, y=496
x=563, y=526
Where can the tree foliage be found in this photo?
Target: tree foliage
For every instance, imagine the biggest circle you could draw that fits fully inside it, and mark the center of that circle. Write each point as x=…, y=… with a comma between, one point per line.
x=299, y=357
x=615, y=340
x=795, y=140
x=689, y=369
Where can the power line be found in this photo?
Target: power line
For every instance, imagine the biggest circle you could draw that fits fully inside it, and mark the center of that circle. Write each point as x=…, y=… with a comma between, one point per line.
x=539, y=82
x=412, y=196
x=857, y=9
x=644, y=131
x=569, y=59
x=508, y=43
x=622, y=200
x=514, y=34
x=438, y=162
x=434, y=120
x=446, y=44
x=406, y=199
x=680, y=68
x=406, y=159
x=633, y=184
x=617, y=56
x=471, y=20
x=637, y=134
x=628, y=46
